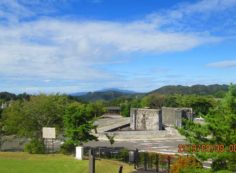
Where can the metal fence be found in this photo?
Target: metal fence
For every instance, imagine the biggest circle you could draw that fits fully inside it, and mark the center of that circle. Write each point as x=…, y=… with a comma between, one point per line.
x=142, y=161
x=153, y=162
x=116, y=153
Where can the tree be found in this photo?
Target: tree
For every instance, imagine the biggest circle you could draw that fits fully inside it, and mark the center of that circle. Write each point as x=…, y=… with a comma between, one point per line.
x=185, y=163
x=172, y=101
x=1, y=129
x=7, y=96
x=95, y=110
x=200, y=104
x=153, y=101
x=220, y=128
x=27, y=117
x=125, y=109
x=78, y=124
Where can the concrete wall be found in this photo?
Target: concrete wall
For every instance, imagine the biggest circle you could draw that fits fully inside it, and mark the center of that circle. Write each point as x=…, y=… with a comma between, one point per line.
x=174, y=116
x=145, y=119
x=154, y=119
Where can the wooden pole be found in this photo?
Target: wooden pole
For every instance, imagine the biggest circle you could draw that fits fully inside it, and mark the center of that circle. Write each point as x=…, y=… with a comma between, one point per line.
x=168, y=158
x=157, y=163
x=150, y=162
x=120, y=169
x=136, y=159
x=91, y=161
x=145, y=161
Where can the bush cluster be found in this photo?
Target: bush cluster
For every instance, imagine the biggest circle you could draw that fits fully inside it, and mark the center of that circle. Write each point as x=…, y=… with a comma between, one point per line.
x=35, y=146
x=185, y=163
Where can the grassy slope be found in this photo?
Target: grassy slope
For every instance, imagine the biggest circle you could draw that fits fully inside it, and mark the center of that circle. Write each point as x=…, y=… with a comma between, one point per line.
x=26, y=163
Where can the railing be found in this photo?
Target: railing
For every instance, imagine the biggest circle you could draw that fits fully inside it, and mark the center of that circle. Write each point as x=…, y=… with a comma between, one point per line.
x=145, y=161
x=154, y=162
x=116, y=153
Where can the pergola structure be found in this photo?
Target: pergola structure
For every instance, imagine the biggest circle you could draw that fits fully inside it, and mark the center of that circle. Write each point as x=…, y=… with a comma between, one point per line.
x=113, y=110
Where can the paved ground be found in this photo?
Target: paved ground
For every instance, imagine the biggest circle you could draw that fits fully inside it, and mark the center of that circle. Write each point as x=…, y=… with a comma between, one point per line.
x=159, y=145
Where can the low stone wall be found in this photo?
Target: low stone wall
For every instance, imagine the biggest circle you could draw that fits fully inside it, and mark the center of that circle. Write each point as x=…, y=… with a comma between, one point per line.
x=13, y=143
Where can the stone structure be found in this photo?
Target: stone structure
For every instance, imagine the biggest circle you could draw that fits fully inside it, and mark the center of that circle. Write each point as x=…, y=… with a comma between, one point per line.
x=174, y=116
x=145, y=119
x=157, y=119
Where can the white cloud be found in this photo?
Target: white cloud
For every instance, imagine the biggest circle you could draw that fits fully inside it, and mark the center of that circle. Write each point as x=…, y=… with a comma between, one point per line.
x=205, y=16
x=208, y=6
x=47, y=80
x=11, y=11
x=70, y=50
x=51, y=48
x=223, y=64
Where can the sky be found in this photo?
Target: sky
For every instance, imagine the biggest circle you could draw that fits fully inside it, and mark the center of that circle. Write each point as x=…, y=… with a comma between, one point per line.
x=72, y=46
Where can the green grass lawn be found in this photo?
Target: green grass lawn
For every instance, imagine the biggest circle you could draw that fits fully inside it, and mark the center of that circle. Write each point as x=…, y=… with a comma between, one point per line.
x=18, y=162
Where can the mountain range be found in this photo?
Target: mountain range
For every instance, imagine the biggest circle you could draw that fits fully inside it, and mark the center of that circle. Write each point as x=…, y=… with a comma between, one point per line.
x=113, y=93
x=104, y=91
x=109, y=94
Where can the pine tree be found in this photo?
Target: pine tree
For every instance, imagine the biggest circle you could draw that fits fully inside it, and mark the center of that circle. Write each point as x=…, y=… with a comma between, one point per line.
x=219, y=130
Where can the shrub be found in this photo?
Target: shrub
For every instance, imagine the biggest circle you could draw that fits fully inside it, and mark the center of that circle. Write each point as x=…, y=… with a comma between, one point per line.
x=185, y=162
x=224, y=171
x=68, y=148
x=35, y=146
x=123, y=155
x=192, y=170
x=232, y=162
x=219, y=164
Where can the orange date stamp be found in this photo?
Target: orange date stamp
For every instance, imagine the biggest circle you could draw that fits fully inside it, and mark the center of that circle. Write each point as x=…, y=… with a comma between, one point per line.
x=206, y=148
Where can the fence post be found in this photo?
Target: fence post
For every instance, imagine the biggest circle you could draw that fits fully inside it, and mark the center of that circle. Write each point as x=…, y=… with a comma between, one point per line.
x=168, y=158
x=99, y=153
x=120, y=169
x=136, y=159
x=145, y=161
x=150, y=161
x=157, y=163
x=91, y=161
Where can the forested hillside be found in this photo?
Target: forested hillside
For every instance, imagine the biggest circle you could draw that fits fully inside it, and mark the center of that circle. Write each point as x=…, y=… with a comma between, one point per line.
x=6, y=96
x=215, y=90
x=106, y=95
x=112, y=94
x=109, y=95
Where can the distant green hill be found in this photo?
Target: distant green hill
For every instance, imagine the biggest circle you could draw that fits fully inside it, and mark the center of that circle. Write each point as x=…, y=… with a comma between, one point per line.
x=113, y=93
x=105, y=95
x=215, y=90
x=6, y=96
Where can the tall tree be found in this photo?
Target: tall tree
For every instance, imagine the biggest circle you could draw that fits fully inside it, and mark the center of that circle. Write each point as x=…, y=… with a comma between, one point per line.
x=153, y=101
x=220, y=129
x=1, y=129
x=78, y=124
x=95, y=109
x=27, y=117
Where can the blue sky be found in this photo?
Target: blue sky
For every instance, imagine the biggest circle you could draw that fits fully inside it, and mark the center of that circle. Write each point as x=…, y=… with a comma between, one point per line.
x=85, y=45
